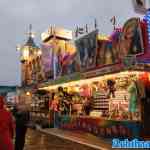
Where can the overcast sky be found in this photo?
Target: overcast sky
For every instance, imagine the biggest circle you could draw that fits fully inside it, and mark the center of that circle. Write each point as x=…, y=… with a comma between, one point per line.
x=16, y=15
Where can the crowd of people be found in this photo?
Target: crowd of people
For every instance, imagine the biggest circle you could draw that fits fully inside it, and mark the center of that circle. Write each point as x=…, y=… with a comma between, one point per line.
x=13, y=126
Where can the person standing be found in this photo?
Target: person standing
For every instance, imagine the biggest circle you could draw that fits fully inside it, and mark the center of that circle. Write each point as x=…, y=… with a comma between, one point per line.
x=6, y=127
x=55, y=108
x=22, y=118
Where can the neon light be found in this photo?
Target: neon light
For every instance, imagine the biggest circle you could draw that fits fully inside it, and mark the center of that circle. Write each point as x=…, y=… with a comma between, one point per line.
x=147, y=19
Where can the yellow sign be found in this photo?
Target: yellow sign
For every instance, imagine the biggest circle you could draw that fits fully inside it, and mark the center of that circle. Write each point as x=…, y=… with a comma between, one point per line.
x=58, y=32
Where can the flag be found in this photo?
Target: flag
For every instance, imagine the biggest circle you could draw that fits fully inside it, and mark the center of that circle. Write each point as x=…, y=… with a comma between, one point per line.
x=113, y=20
x=86, y=28
x=95, y=23
x=76, y=31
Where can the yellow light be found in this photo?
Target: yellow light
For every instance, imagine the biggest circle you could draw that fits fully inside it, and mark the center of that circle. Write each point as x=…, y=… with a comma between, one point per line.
x=25, y=53
x=39, y=53
x=18, y=47
x=89, y=81
x=28, y=93
x=103, y=37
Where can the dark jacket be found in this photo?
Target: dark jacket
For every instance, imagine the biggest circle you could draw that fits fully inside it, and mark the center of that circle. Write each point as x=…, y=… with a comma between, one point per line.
x=22, y=118
x=6, y=128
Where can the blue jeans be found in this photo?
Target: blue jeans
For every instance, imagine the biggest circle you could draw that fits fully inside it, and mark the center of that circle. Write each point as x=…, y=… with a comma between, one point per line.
x=56, y=119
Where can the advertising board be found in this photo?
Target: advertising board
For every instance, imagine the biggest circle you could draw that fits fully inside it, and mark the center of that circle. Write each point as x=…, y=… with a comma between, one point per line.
x=86, y=48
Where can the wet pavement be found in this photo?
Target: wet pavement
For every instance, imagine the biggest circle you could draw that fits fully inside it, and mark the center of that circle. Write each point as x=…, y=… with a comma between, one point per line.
x=50, y=139
x=36, y=140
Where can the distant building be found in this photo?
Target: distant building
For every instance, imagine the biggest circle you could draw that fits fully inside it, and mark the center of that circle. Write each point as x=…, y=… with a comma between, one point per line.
x=5, y=89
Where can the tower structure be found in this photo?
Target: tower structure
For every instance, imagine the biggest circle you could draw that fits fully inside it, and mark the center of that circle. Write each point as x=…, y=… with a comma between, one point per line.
x=31, y=64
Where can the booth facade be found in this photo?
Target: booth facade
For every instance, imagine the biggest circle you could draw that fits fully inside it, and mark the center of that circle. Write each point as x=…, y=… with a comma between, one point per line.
x=105, y=81
x=112, y=75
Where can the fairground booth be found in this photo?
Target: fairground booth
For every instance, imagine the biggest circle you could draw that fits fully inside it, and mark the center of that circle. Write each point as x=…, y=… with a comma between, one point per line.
x=104, y=82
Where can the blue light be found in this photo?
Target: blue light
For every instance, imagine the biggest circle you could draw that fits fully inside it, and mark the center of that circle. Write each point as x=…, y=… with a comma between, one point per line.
x=147, y=19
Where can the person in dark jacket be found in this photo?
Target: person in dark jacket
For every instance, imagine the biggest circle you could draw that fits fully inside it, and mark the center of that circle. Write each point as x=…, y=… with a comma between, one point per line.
x=22, y=119
x=6, y=127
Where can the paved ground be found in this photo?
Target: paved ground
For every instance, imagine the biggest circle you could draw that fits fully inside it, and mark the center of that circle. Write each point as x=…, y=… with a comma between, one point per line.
x=39, y=141
x=80, y=137
x=56, y=139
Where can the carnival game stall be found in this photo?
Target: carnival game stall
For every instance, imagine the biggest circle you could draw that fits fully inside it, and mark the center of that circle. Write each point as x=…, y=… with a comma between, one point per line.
x=107, y=84
x=109, y=114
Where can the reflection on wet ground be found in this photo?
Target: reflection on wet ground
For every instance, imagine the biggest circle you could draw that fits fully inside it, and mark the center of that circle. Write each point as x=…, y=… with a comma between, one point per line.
x=36, y=140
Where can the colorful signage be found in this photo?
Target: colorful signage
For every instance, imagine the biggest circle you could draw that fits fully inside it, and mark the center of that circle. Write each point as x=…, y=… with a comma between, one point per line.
x=92, y=55
x=131, y=42
x=86, y=47
x=104, y=70
x=107, y=53
x=47, y=60
x=64, y=62
x=63, y=33
x=147, y=19
x=58, y=32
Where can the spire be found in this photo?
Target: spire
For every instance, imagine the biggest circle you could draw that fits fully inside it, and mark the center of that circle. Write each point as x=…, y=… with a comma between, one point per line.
x=30, y=41
x=30, y=33
x=30, y=29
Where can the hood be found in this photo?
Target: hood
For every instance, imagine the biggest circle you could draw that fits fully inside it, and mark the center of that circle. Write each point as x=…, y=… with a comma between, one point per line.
x=1, y=102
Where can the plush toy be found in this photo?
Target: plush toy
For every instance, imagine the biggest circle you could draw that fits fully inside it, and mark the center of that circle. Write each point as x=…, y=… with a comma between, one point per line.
x=133, y=99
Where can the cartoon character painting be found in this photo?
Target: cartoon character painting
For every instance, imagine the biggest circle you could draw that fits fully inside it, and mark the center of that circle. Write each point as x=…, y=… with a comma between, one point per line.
x=86, y=47
x=131, y=42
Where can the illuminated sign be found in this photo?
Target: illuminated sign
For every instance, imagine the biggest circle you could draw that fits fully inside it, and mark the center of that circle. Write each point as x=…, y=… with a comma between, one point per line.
x=58, y=32
x=103, y=37
x=45, y=35
x=86, y=48
x=147, y=19
x=102, y=71
x=63, y=33
x=133, y=43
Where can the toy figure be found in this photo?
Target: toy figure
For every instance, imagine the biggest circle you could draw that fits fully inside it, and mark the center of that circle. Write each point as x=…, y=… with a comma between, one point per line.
x=111, y=88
